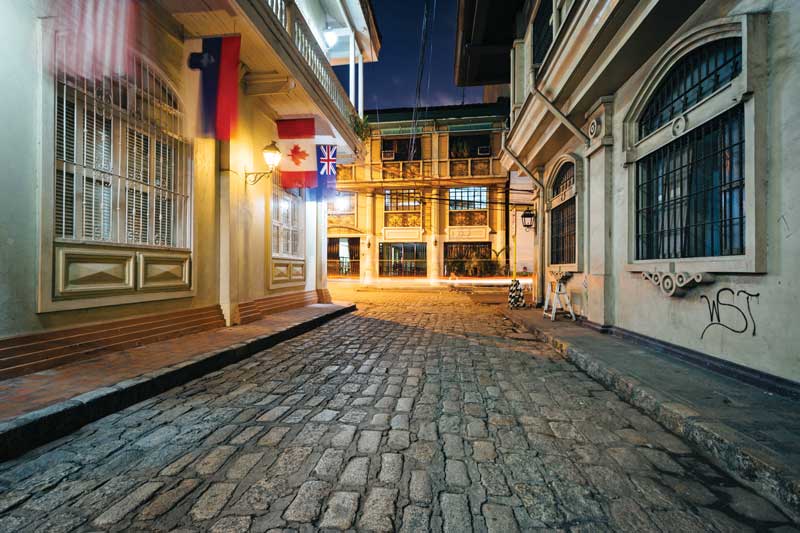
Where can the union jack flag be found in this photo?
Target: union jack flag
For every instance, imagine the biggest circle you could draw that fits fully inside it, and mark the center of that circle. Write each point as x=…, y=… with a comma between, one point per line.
x=326, y=156
x=326, y=169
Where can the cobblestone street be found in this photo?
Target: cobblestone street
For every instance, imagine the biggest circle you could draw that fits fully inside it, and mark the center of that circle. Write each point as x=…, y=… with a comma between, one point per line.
x=421, y=411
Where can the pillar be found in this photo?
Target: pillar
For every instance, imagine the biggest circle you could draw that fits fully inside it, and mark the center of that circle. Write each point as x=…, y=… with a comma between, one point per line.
x=352, y=85
x=360, y=85
x=368, y=249
x=433, y=240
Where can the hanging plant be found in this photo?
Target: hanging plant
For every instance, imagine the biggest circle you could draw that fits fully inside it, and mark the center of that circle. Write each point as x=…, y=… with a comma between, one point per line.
x=360, y=127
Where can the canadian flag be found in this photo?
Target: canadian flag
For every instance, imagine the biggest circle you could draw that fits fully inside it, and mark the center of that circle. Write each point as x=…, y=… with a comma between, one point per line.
x=298, y=166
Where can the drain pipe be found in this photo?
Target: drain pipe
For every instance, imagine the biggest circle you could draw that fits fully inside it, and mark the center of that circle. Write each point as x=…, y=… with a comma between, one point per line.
x=539, y=215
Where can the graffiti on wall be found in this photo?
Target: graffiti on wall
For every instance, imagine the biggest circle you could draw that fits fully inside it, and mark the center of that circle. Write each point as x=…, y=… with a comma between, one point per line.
x=737, y=316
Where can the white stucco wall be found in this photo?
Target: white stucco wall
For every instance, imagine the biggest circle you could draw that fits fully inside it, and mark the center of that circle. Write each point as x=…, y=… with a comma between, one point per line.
x=766, y=337
x=19, y=154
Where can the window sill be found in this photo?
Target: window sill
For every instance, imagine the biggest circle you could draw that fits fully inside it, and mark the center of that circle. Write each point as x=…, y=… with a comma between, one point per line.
x=108, y=244
x=571, y=267
x=105, y=301
x=739, y=264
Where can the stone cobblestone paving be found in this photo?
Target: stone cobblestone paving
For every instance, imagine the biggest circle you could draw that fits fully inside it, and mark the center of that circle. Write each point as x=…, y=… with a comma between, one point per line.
x=417, y=413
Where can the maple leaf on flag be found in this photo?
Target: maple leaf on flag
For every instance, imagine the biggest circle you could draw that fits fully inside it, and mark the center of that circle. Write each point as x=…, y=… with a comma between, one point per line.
x=297, y=154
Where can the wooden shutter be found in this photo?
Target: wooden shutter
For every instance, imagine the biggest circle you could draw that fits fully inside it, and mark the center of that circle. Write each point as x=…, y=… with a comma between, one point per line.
x=97, y=143
x=65, y=204
x=65, y=127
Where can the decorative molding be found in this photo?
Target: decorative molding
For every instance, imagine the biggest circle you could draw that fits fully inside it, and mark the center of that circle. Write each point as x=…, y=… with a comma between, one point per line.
x=280, y=272
x=404, y=219
x=468, y=218
x=297, y=271
x=467, y=233
x=677, y=284
x=164, y=271
x=402, y=234
x=287, y=273
x=84, y=272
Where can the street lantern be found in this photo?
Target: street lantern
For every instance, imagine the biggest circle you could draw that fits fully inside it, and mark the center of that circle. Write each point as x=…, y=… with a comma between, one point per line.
x=528, y=219
x=272, y=156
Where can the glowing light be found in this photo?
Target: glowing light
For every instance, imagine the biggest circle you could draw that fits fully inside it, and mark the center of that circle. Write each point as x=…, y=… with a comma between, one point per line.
x=272, y=156
x=330, y=37
x=341, y=204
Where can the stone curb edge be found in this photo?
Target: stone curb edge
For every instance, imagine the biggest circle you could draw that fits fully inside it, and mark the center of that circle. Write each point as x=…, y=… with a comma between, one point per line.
x=714, y=440
x=28, y=431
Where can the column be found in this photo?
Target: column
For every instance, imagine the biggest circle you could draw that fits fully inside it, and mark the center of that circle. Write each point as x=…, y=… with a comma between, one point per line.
x=360, y=85
x=352, y=86
x=321, y=249
x=368, y=249
x=228, y=256
x=433, y=241
x=598, y=199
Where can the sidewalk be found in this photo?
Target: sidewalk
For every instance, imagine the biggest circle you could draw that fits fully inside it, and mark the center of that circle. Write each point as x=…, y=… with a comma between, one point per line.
x=750, y=433
x=43, y=406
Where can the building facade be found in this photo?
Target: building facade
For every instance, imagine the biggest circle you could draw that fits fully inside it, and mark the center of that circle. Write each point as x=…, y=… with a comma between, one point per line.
x=428, y=199
x=114, y=207
x=658, y=137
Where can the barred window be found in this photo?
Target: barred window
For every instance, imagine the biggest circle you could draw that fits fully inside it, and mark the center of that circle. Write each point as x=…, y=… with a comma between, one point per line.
x=287, y=221
x=468, y=199
x=697, y=75
x=690, y=193
x=401, y=200
x=562, y=217
x=122, y=167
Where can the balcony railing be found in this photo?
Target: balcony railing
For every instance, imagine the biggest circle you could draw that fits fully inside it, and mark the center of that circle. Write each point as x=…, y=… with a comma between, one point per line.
x=343, y=267
x=471, y=167
x=403, y=268
x=469, y=218
x=291, y=19
x=474, y=268
x=403, y=220
x=409, y=170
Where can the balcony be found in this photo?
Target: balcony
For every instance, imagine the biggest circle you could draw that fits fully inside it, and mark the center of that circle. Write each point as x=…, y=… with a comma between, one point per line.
x=476, y=167
x=289, y=17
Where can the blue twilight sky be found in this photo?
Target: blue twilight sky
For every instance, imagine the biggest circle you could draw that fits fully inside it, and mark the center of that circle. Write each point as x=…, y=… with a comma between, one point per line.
x=391, y=81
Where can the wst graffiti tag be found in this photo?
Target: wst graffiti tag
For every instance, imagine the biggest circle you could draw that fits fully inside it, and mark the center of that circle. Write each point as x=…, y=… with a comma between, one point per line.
x=731, y=322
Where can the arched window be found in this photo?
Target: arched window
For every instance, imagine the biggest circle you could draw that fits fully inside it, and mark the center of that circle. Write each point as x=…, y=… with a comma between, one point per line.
x=122, y=166
x=562, y=216
x=698, y=74
x=690, y=188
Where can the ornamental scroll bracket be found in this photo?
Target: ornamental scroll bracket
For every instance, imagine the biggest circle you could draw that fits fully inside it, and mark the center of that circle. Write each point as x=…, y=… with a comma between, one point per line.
x=677, y=284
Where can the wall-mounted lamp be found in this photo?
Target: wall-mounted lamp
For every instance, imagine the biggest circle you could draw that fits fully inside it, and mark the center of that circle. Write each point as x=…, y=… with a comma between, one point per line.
x=272, y=157
x=528, y=220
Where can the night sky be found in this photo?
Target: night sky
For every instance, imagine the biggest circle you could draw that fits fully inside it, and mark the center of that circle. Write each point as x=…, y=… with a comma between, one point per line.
x=391, y=81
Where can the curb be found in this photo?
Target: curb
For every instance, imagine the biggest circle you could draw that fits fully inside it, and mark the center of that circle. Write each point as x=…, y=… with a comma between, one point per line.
x=713, y=440
x=28, y=431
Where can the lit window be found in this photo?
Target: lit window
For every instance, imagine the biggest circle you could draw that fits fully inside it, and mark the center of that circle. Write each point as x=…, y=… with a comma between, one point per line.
x=287, y=222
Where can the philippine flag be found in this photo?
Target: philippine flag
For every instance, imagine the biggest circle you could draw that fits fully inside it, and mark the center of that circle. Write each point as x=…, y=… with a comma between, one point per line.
x=298, y=166
x=219, y=67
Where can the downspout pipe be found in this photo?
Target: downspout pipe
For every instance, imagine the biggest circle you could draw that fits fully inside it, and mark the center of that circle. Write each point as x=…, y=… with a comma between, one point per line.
x=539, y=212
